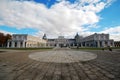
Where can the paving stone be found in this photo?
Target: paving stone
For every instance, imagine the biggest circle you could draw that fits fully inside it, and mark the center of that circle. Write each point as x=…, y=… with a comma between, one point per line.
x=60, y=65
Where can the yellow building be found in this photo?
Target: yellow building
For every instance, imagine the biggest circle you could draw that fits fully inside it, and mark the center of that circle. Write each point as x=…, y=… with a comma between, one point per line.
x=25, y=41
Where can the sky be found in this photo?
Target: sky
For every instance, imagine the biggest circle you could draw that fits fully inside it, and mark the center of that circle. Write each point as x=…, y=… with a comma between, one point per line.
x=60, y=17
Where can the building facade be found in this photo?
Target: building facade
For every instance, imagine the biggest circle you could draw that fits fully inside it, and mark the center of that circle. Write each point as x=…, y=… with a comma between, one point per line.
x=117, y=43
x=95, y=40
x=58, y=42
x=25, y=41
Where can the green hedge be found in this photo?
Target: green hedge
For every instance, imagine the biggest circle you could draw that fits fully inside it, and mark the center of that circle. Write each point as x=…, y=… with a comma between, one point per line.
x=92, y=48
x=27, y=48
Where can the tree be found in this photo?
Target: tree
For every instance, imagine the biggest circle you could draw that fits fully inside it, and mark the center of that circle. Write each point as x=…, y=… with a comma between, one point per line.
x=4, y=38
x=1, y=39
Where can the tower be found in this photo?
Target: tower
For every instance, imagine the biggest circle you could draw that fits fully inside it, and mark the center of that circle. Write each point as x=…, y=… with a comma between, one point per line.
x=44, y=37
x=77, y=39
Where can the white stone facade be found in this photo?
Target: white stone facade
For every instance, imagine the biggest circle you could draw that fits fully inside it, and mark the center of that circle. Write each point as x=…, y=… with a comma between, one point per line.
x=58, y=42
x=96, y=40
x=25, y=41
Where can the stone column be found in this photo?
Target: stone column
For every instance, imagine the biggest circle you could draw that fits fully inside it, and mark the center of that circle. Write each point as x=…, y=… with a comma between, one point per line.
x=49, y=45
x=73, y=45
x=98, y=43
x=81, y=45
x=103, y=43
x=18, y=44
x=65, y=44
x=8, y=44
x=13, y=44
x=113, y=44
x=57, y=45
x=85, y=44
x=23, y=44
x=108, y=43
x=45, y=44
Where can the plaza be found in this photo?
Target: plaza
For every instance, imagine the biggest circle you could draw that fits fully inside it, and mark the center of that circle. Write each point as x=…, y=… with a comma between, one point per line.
x=61, y=65
x=59, y=40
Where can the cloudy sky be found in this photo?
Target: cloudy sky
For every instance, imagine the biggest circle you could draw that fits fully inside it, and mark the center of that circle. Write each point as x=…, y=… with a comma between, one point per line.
x=60, y=17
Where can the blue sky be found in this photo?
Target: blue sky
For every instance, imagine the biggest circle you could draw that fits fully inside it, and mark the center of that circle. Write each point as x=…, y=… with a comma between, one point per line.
x=60, y=17
x=111, y=15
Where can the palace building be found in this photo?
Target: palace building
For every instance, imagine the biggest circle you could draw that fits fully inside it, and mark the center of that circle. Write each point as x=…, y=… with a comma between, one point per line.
x=26, y=41
x=94, y=40
x=58, y=42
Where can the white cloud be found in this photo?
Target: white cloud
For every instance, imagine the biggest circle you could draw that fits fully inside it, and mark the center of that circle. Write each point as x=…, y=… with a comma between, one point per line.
x=62, y=18
x=116, y=37
x=114, y=32
x=5, y=32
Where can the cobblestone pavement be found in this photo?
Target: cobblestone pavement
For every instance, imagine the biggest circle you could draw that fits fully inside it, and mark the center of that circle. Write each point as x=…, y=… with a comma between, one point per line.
x=62, y=56
x=16, y=65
